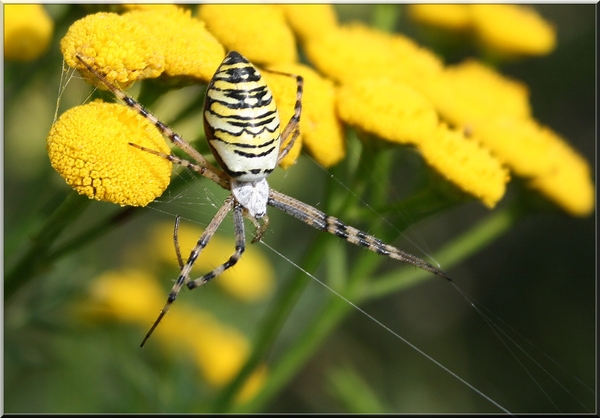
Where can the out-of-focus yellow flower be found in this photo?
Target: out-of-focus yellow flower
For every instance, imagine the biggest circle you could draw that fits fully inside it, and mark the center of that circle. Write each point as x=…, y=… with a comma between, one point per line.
x=252, y=277
x=120, y=48
x=470, y=93
x=27, y=31
x=449, y=16
x=88, y=146
x=536, y=152
x=569, y=185
x=258, y=32
x=355, y=51
x=134, y=296
x=310, y=20
x=188, y=47
x=464, y=162
x=253, y=384
x=129, y=295
x=320, y=128
x=388, y=109
x=513, y=29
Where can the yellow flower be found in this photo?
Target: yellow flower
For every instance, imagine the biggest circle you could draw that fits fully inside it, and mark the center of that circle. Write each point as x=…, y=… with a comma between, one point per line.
x=27, y=31
x=130, y=295
x=252, y=277
x=134, y=296
x=468, y=94
x=320, y=129
x=513, y=29
x=536, y=152
x=88, y=147
x=121, y=49
x=464, y=162
x=449, y=16
x=355, y=51
x=187, y=46
x=388, y=109
x=569, y=185
x=310, y=20
x=258, y=32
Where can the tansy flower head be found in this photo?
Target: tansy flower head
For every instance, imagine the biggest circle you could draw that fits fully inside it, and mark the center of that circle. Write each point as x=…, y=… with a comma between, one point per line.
x=464, y=162
x=536, y=152
x=187, y=46
x=120, y=48
x=133, y=296
x=354, y=51
x=88, y=146
x=130, y=295
x=310, y=20
x=258, y=32
x=320, y=128
x=388, y=109
x=449, y=16
x=470, y=93
x=27, y=31
x=251, y=279
x=513, y=29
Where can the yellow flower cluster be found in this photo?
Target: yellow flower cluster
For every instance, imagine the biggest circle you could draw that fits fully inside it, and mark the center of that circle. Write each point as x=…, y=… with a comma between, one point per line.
x=143, y=44
x=505, y=29
x=134, y=296
x=391, y=87
x=27, y=31
x=97, y=160
x=383, y=84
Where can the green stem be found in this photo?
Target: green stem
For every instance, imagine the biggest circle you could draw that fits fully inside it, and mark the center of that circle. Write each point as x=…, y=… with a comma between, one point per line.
x=274, y=320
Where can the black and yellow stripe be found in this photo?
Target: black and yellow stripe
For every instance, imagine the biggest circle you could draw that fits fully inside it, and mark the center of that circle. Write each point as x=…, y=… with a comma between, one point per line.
x=241, y=121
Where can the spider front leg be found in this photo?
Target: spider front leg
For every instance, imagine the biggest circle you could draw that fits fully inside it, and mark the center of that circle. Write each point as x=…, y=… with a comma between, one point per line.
x=184, y=275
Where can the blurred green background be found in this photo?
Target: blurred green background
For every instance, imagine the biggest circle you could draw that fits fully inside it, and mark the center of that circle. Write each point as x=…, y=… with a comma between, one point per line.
x=538, y=279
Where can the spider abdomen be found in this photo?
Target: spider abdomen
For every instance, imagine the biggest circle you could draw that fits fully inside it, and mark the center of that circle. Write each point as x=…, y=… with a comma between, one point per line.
x=241, y=121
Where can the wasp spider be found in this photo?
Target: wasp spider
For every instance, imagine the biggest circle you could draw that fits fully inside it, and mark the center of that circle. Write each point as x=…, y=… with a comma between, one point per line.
x=243, y=131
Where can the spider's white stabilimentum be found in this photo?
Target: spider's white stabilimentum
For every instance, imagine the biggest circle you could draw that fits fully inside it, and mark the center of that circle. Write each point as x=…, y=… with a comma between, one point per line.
x=243, y=131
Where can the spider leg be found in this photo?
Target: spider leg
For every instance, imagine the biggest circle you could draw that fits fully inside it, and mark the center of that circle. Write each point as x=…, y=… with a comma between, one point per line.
x=260, y=228
x=291, y=128
x=176, y=242
x=183, y=277
x=240, y=246
x=324, y=222
x=198, y=168
x=211, y=170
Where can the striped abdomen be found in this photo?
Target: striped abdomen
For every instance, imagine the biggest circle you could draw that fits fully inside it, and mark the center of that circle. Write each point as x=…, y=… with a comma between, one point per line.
x=241, y=120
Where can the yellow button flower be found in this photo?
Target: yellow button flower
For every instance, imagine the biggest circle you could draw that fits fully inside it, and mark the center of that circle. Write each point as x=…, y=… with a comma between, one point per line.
x=355, y=51
x=187, y=46
x=513, y=29
x=258, y=32
x=534, y=151
x=388, y=109
x=88, y=147
x=449, y=16
x=121, y=49
x=130, y=295
x=251, y=279
x=464, y=162
x=134, y=296
x=310, y=20
x=569, y=185
x=27, y=31
x=470, y=93
x=321, y=130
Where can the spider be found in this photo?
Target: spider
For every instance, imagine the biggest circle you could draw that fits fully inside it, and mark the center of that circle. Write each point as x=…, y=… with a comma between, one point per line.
x=242, y=127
